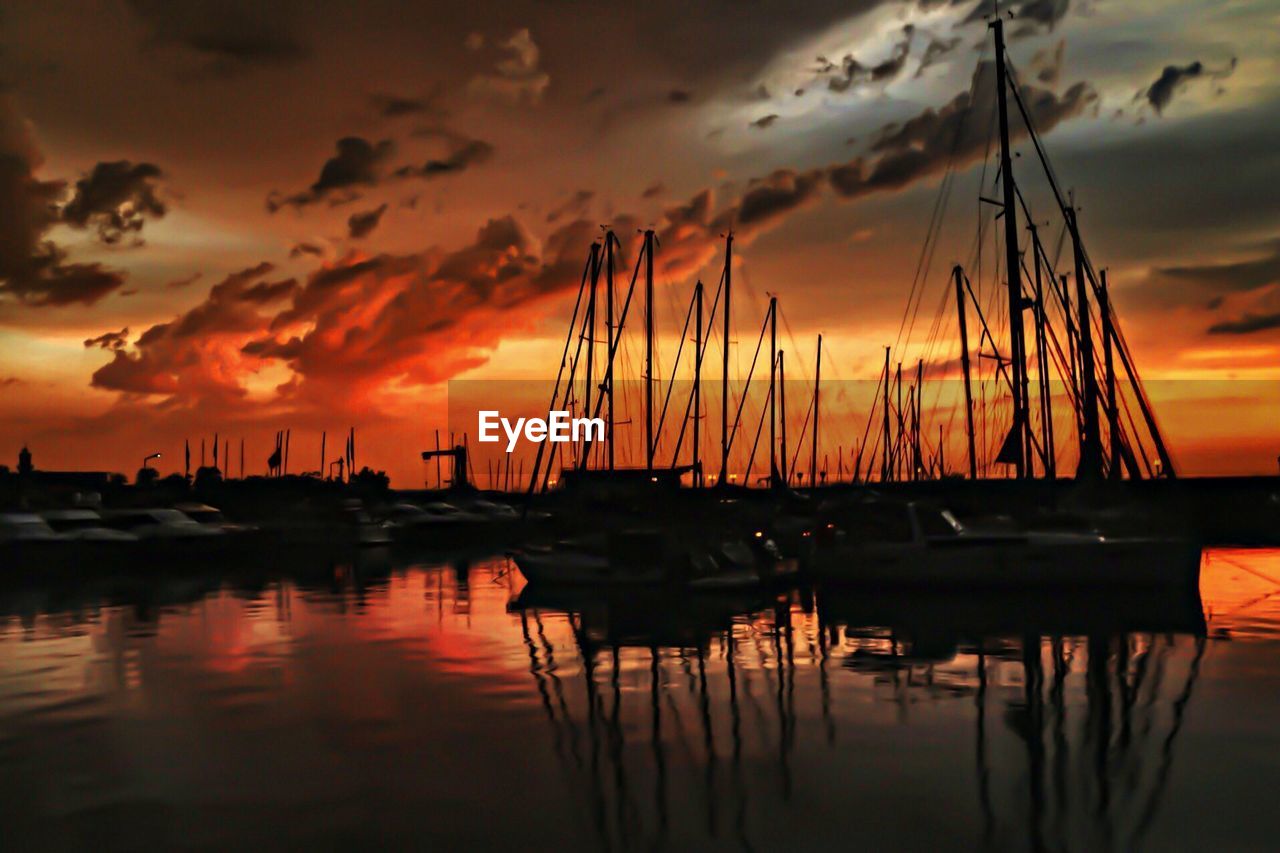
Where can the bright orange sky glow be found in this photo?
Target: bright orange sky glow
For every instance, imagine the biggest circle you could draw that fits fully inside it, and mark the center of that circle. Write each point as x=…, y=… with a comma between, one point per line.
x=225, y=218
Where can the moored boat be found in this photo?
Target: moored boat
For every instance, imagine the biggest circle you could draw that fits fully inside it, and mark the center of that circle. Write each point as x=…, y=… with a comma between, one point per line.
x=891, y=543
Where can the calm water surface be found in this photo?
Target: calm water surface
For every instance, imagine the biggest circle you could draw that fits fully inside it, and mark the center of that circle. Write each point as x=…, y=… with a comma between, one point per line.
x=401, y=703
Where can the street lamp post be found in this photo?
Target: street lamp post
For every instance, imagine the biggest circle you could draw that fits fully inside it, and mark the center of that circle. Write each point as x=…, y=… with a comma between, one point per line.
x=146, y=460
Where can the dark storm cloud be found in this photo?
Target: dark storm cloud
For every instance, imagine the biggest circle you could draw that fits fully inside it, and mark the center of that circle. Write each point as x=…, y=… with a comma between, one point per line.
x=465, y=153
x=1246, y=325
x=55, y=284
x=266, y=292
x=902, y=154
x=576, y=206
x=1236, y=277
x=937, y=50
x=1160, y=93
x=361, y=225
x=1027, y=16
x=184, y=353
x=300, y=249
x=357, y=164
x=33, y=270
x=228, y=306
x=851, y=71
x=775, y=196
x=185, y=281
x=1174, y=78
x=109, y=340
x=224, y=37
x=397, y=106
x=116, y=198
x=1047, y=64
x=434, y=317
x=923, y=145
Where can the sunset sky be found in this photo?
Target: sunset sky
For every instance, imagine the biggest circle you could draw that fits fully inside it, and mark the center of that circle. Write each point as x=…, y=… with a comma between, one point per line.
x=245, y=216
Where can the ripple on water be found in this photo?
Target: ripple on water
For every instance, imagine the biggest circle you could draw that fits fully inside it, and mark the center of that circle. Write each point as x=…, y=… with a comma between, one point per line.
x=1240, y=588
x=435, y=698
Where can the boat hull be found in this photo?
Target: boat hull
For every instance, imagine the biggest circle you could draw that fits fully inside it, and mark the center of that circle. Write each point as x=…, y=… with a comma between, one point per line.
x=961, y=563
x=556, y=568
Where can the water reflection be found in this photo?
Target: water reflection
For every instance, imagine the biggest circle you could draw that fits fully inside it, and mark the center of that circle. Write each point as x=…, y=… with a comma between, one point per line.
x=394, y=702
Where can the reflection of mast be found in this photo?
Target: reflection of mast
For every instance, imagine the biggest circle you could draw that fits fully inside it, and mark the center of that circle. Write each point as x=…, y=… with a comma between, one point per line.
x=708, y=741
x=1166, y=748
x=984, y=773
x=1033, y=732
x=559, y=710
x=543, y=693
x=781, y=625
x=655, y=742
x=1114, y=791
x=735, y=736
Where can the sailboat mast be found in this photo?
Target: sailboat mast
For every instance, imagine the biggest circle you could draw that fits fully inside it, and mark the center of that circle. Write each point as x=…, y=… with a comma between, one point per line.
x=1090, y=440
x=917, y=455
x=884, y=444
x=1042, y=366
x=817, y=409
x=1013, y=267
x=782, y=415
x=589, y=329
x=958, y=274
x=724, y=377
x=773, y=389
x=697, y=385
x=1113, y=411
x=648, y=348
x=897, y=438
x=609, y=240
